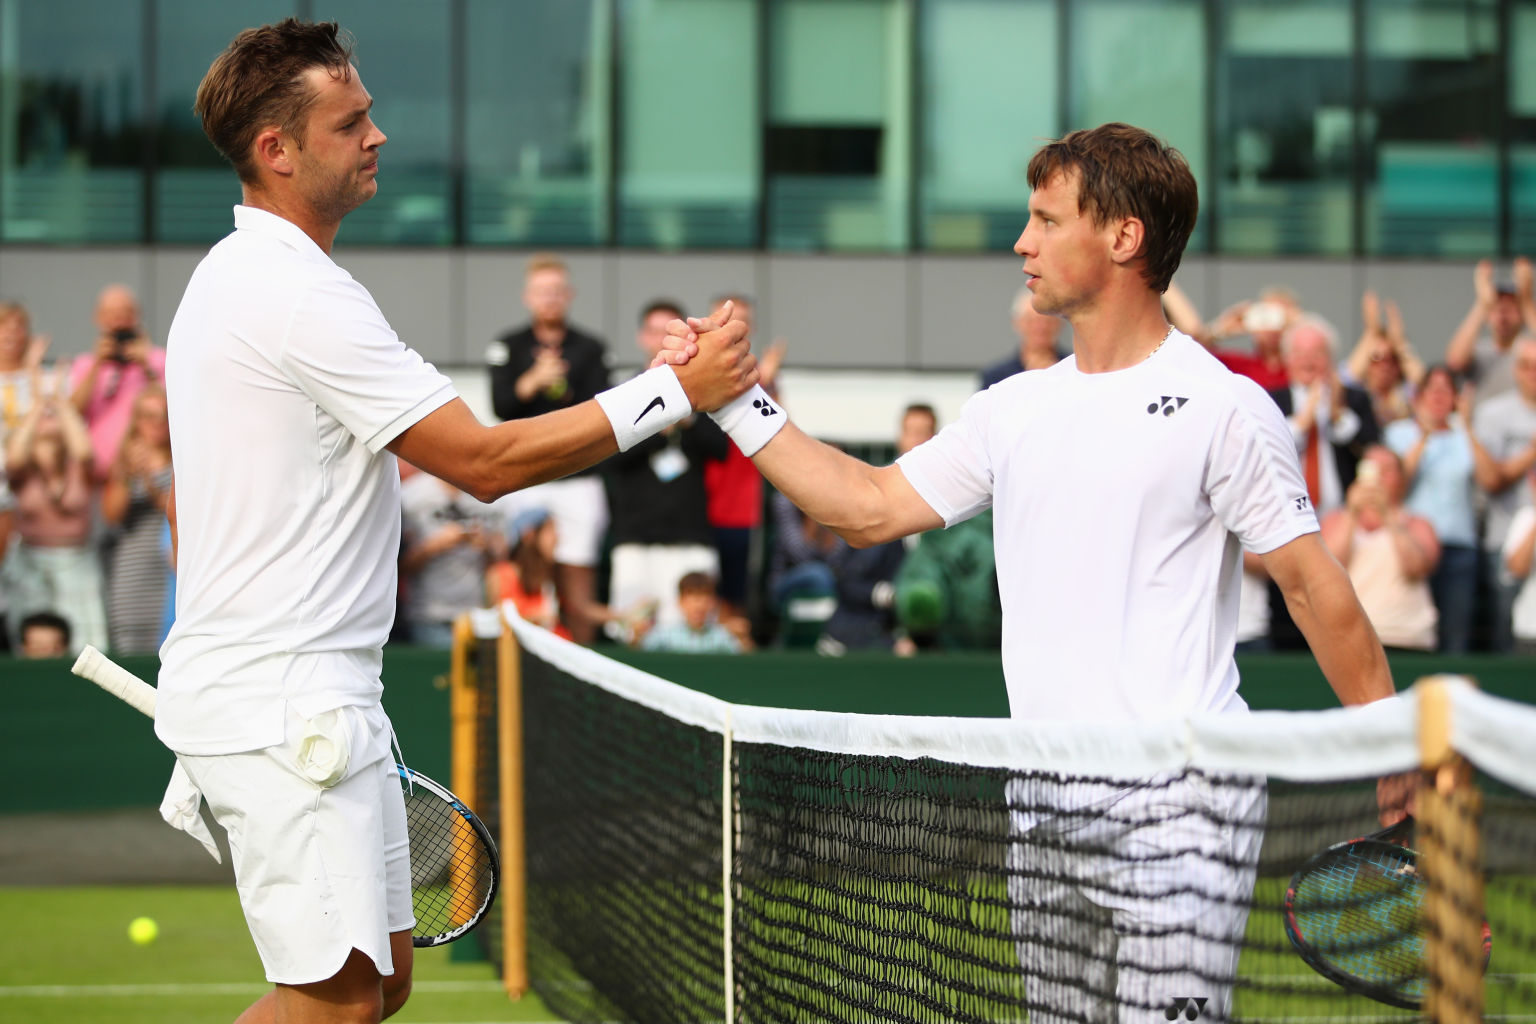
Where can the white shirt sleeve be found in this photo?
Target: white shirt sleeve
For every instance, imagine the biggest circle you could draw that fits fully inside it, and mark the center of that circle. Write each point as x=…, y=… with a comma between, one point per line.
x=952, y=472
x=344, y=355
x=1253, y=479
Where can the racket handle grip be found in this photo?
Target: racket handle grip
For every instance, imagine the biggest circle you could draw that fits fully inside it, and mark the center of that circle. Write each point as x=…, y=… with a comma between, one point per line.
x=115, y=679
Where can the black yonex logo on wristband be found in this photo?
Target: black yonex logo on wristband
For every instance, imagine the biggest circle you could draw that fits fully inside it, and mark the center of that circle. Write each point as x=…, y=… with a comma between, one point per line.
x=1167, y=405
x=656, y=403
x=764, y=408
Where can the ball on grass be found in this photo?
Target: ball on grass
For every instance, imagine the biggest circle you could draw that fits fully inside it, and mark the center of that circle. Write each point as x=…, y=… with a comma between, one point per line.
x=143, y=930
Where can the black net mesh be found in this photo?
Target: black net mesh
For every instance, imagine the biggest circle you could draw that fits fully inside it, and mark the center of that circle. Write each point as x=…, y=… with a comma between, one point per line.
x=885, y=888
x=623, y=822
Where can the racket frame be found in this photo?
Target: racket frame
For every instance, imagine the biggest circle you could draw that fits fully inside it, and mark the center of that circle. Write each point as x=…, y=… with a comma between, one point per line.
x=1391, y=841
x=412, y=777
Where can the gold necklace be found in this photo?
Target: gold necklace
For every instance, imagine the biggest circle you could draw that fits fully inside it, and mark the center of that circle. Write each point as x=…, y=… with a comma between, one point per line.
x=1160, y=344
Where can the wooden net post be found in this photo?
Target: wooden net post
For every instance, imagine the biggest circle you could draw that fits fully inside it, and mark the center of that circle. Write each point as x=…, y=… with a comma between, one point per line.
x=509, y=757
x=463, y=743
x=1450, y=857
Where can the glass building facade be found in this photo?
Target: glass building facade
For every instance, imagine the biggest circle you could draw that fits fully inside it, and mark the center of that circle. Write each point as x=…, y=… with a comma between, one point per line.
x=1316, y=128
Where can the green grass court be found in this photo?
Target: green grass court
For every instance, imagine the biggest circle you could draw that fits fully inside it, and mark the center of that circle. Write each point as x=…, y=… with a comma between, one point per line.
x=65, y=958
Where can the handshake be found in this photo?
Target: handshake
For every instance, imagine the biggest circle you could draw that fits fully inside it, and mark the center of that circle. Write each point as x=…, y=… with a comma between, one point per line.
x=705, y=365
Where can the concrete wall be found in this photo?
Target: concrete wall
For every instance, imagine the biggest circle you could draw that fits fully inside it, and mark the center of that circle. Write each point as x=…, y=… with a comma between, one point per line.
x=913, y=327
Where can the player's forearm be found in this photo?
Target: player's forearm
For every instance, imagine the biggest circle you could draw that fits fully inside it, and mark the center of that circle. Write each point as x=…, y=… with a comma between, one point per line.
x=1342, y=640
x=833, y=488
x=521, y=453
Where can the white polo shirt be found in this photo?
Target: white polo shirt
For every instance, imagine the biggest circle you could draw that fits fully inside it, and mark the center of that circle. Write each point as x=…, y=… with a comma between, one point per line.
x=1122, y=501
x=284, y=385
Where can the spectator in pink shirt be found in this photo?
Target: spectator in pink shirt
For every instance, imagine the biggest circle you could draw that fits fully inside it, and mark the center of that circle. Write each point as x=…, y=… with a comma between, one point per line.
x=104, y=382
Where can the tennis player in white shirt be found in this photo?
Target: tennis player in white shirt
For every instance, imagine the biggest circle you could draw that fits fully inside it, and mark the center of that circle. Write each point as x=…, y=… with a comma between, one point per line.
x=1125, y=481
x=290, y=398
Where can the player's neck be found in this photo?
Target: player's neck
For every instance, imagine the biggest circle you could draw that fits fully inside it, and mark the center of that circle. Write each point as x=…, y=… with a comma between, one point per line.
x=321, y=230
x=1118, y=335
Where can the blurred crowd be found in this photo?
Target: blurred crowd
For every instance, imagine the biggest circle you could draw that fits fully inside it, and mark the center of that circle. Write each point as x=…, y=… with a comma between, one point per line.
x=1423, y=478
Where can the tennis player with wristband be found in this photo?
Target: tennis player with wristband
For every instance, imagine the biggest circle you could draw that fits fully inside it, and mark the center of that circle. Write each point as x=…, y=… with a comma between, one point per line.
x=1125, y=481
x=290, y=398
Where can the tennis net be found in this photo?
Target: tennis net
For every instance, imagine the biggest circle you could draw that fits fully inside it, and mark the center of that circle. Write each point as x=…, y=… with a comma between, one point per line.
x=692, y=860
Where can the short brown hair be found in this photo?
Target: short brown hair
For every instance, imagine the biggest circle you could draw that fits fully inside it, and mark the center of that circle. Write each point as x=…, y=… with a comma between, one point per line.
x=1124, y=171
x=696, y=583
x=540, y=261
x=258, y=82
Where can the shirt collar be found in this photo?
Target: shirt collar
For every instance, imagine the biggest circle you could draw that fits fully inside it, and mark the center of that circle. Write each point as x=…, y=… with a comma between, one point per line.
x=251, y=218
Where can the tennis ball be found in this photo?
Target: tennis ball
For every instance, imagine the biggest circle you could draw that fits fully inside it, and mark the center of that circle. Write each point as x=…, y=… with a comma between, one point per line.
x=143, y=930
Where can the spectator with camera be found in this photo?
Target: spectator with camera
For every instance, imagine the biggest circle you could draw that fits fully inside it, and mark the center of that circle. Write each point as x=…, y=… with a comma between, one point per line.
x=105, y=382
x=1265, y=322
x=1388, y=552
x=448, y=541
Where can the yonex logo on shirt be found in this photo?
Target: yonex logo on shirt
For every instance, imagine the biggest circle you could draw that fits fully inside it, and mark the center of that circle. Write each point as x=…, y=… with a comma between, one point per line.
x=1167, y=404
x=1302, y=502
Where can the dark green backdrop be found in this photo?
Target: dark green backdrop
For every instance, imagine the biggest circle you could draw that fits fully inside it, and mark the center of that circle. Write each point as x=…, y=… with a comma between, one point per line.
x=64, y=745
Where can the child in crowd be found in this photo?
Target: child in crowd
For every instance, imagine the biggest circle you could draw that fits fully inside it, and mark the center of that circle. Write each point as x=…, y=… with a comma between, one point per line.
x=700, y=632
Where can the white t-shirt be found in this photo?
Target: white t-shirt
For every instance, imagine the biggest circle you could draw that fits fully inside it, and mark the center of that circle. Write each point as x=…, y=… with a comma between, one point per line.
x=285, y=383
x=1121, y=504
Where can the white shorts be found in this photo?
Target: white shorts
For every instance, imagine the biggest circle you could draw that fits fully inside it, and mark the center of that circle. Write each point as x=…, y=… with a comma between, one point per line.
x=1132, y=899
x=651, y=572
x=317, y=832
x=579, y=507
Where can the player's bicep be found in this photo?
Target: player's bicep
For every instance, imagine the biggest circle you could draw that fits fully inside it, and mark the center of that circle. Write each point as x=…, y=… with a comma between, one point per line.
x=442, y=442
x=910, y=513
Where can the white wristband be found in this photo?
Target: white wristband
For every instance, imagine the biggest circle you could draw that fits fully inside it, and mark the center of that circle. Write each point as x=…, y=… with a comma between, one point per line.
x=751, y=419
x=645, y=405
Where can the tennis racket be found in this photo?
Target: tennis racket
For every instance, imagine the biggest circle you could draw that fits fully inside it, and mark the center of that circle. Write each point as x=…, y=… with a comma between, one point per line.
x=1354, y=914
x=455, y=870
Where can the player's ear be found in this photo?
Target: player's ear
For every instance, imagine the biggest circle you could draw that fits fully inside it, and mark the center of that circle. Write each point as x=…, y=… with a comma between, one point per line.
x=272, y=149
x=1128, y=235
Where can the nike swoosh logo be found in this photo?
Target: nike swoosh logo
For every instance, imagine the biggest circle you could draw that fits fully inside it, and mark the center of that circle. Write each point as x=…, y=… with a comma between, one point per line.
x=656, y=403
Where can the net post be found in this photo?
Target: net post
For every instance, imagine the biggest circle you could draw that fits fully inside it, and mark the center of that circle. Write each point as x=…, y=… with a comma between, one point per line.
x=727, y=869
x=509, y=757
x=1450, y=852
x=465, y=751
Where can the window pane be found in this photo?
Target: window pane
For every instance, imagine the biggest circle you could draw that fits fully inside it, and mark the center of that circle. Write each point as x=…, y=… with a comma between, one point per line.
x=839, y=122
x=1522, y=121
x=536, y=134
x=1432, y=88
x=1144, y=64
x=403, y=49
x=194, y=186
x=983, y=118
x=689, y=153
x=71, y=124
x=1286, y=128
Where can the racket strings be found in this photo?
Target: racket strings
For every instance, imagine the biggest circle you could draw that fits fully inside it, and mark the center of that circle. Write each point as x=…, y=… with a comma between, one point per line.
x=1362, y=914
x=452, y=869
